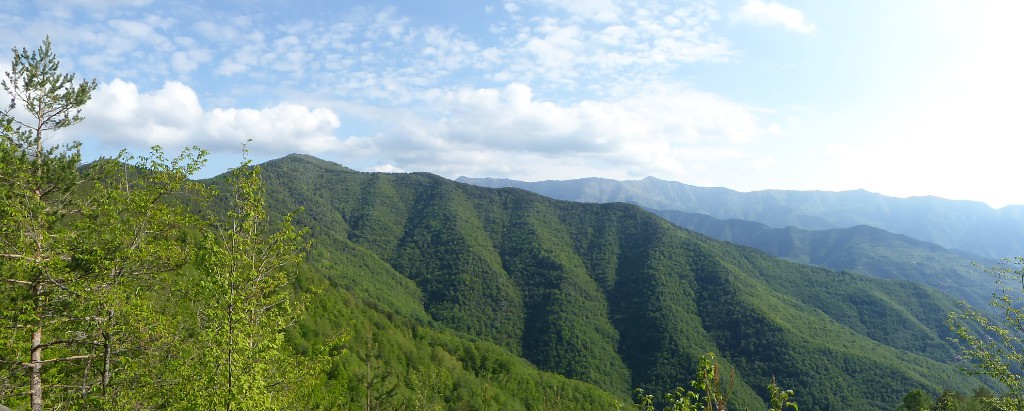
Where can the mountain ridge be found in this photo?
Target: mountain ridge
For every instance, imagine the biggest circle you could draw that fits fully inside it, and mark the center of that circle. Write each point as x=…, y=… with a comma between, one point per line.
x=613, y=295
x=862, y=248
x=961, y=224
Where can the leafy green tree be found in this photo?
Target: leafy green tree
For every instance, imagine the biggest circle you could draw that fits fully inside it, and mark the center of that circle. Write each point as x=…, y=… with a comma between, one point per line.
x=130, y=240
x=948, y=400
x=237, y=358
x=984, y=398
x=916, y=400
x=429, y=389
x=997, y=350
x=778, y=398
x=709, y=393
x=643, y=401
x=378, y=381
x=709, y=380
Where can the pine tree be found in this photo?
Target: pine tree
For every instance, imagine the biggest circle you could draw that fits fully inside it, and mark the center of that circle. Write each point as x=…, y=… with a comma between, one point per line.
x=44, y=321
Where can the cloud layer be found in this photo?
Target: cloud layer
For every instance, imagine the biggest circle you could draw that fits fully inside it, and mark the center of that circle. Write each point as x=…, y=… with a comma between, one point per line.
x=769, y=13
x=172, y=116
x=585, y=85
x=509, y=131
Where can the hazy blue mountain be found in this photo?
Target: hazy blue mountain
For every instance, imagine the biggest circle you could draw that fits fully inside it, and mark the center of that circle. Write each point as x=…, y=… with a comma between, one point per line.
x=964, y=225
x=863, y=249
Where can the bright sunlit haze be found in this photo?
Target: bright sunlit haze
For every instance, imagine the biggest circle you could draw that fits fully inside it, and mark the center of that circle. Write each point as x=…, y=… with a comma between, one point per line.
x=902, y=98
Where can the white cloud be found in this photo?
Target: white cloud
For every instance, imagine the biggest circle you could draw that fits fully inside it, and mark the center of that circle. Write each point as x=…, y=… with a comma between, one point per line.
x=380, y=55
x=447, y=49
x=648, y=40
x=184, y=62
x=284, y=128
x=100, y=4
x=379, y=58
x=120, y=115
x=386, y=168
x=288, y=55
x=386, y=27
x=142, y=32
x=65, y=9
x=510, y=132
x=136, y=47
x=246, y=55
x=602, y=11
x=217, y=32
x=769, y=13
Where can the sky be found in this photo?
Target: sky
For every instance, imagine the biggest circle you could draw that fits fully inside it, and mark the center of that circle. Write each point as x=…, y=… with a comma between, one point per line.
x=903, y=98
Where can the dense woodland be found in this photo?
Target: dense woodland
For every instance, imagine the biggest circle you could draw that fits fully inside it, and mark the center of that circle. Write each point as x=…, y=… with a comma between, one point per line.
x=301, y=284
x=862, y=249
x=612, y=295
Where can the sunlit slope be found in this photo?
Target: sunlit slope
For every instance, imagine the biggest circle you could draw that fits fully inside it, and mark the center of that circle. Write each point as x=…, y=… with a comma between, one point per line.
x=615, y=296
x=863, y=249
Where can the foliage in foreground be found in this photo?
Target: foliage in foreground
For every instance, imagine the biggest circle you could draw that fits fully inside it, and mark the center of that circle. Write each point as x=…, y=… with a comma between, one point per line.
x=709, y=393
x=87, y=255
x=948, y=400
x=997, y=350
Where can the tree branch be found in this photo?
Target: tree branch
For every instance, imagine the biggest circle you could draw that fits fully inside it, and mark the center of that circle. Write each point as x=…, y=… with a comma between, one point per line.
x=68, y=342
x=22, y=282
x=71, y=358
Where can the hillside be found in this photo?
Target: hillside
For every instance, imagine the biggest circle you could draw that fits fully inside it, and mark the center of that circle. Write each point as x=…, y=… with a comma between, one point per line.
x=964, y=225
x=612, y=295
x=862, y=249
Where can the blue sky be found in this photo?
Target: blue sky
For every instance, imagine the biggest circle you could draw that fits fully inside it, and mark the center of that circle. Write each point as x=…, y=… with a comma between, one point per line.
x=914, y=97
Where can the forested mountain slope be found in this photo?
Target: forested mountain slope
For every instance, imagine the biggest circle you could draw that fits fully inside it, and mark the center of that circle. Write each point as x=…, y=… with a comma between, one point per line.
x=863, y=249
x=964, y=225
x=611, y=294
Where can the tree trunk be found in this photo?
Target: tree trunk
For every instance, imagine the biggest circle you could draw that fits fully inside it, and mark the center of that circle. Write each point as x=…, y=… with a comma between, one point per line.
x=36, y=366
x=369, y=375
x=106, y=361
x=369, y=386
x=231, y=347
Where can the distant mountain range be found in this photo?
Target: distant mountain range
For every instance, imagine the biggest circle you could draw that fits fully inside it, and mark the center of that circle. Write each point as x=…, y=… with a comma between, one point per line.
x=964, y=225
x=611, y=294
x=863, y=249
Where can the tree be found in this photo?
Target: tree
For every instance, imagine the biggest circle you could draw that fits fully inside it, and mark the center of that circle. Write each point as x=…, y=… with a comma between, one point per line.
x=916, y=400
x=708, y=393
x=43, y=295
x=778, y=398
x=129, y=238
x=78, y=246
x=237, y=357
x=378, y=381
x=429, y=388
x=996, y=349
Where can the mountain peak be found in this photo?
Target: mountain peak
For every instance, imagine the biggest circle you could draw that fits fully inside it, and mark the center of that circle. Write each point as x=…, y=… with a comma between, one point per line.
x=306, y=159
